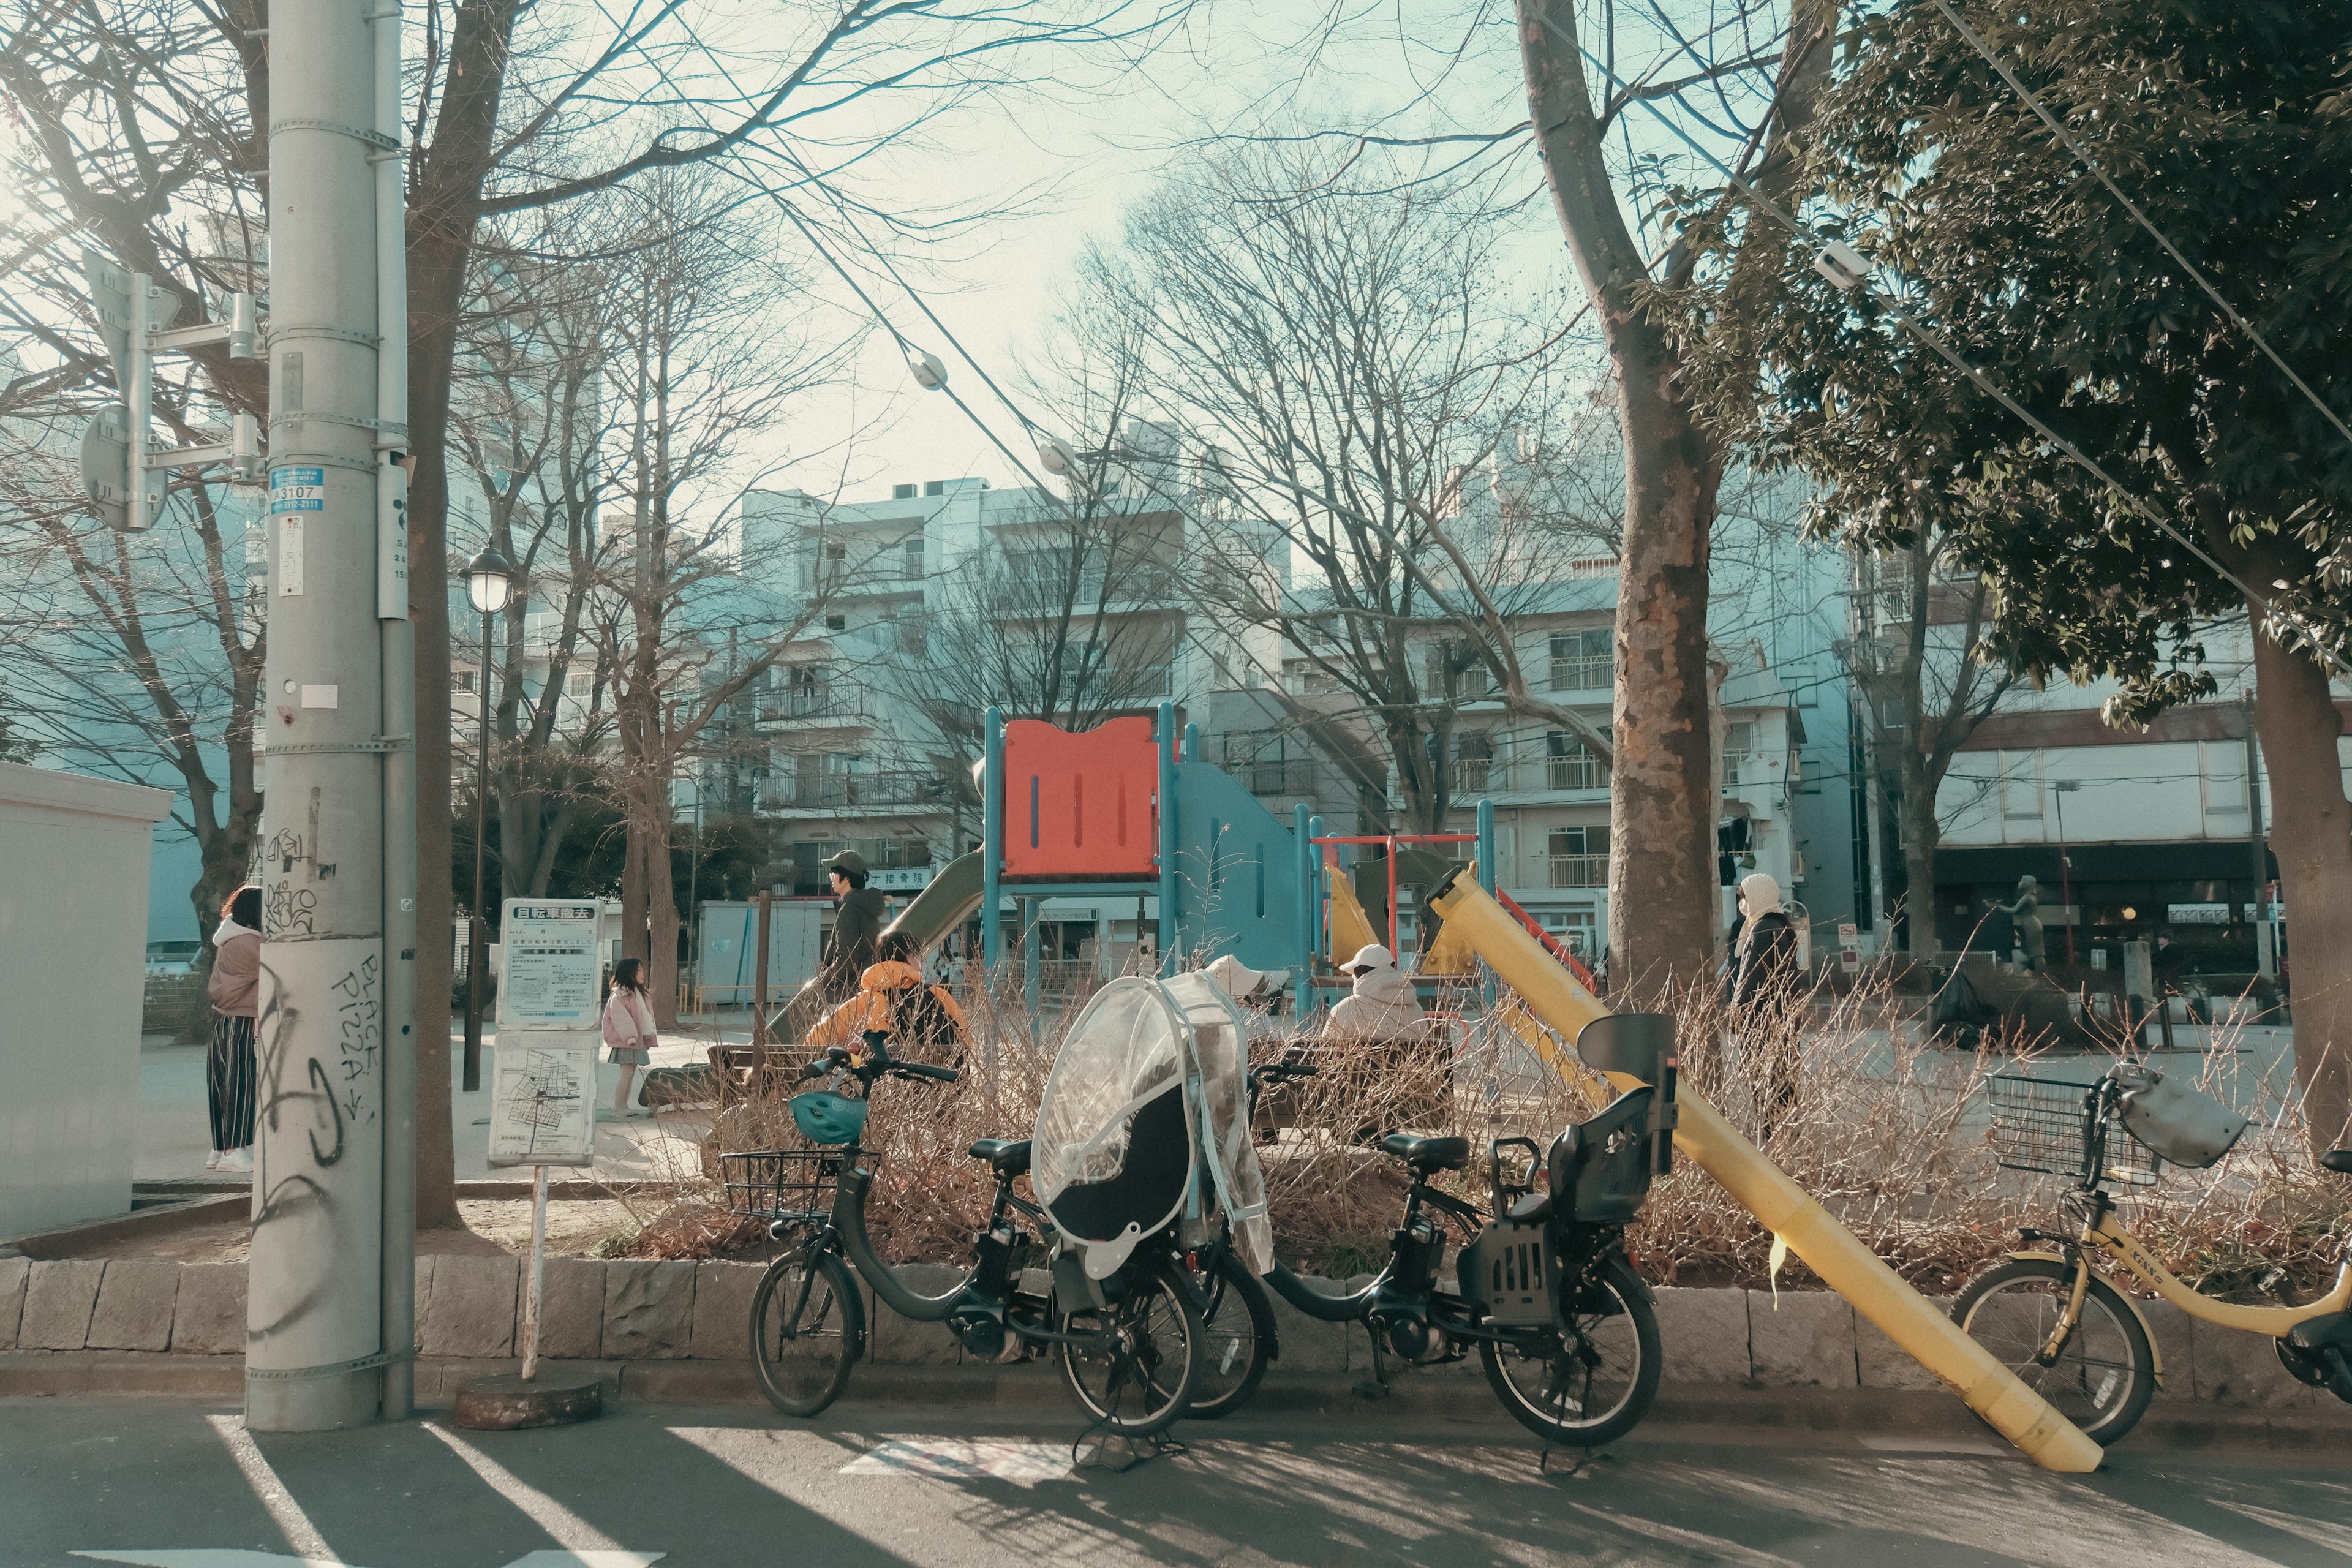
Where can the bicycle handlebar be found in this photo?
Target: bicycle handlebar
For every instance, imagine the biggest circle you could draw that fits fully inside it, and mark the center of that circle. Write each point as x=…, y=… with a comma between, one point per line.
x=877, y=1062
x=920, y=1069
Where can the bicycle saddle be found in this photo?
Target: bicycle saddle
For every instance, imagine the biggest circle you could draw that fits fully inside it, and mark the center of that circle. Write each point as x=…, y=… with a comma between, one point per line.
x=1428, y=1153
x=1008, y=1158
x=2339, y=1160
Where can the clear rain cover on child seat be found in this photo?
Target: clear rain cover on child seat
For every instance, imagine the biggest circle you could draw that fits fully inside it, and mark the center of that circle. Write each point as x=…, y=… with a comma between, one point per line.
x=1164, y=1057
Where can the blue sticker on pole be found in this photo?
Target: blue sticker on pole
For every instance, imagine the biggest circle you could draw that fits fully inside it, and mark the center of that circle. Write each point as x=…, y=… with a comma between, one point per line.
x=297, y=489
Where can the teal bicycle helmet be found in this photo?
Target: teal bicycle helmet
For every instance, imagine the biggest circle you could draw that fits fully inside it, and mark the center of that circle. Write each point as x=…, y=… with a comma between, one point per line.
x=825, y=1117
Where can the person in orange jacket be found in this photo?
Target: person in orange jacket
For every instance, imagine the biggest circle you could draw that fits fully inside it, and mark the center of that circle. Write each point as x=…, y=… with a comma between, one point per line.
x=892, y=1000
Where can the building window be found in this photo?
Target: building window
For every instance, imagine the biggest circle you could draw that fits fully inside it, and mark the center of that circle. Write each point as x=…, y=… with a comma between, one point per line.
x=1581, y=661
x=579, y=683
x=1738, y=739
x=1579, y=858
x=1809, y=776
x=1569, y=764
x=462, y=679
x=914, y=556
x=902, y=492
x=837, y=622
x=934, y=488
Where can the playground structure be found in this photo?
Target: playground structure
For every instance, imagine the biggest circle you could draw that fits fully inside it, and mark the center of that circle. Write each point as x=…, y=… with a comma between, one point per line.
x=1128, y=809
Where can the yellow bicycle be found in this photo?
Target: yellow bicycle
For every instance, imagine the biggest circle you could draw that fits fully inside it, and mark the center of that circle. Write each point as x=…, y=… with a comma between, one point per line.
x=2072, y=1337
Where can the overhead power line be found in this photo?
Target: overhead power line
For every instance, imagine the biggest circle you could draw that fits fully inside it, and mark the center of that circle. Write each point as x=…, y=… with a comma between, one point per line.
x=1935, y=343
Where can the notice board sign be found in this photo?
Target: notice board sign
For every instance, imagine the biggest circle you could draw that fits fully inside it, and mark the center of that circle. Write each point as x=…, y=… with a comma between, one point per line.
x=543, y=1100
x=551, y=969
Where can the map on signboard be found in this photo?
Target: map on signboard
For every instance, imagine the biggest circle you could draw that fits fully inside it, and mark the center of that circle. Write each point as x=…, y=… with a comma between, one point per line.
x=543, y=1101
x=551, y=968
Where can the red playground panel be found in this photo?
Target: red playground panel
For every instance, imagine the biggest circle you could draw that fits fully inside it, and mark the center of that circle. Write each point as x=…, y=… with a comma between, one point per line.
x=1081, y=806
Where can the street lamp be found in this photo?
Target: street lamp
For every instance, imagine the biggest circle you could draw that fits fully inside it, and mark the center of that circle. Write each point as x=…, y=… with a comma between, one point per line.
x=489, y=584
x=2062, y=788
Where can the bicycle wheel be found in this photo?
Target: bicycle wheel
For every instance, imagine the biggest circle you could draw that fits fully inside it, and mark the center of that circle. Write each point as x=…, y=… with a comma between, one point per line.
x=1137, y=1377
x=1592, y=1385
x=807, y=1330
x=1236, y=1341
x=2101, y=1377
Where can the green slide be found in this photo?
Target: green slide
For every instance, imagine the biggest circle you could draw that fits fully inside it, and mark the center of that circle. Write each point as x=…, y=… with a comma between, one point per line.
x=945, y=903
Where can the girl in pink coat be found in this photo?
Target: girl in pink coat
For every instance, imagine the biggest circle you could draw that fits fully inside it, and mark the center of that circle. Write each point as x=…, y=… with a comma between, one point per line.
x=628, y=1030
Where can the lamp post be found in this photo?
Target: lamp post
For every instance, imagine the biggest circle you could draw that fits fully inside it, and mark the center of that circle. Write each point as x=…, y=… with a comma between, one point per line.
x=489, y=584
x=2062, y=788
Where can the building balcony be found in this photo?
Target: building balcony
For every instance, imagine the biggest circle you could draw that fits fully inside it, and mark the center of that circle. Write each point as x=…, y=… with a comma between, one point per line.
x=855, y=792
x=1528, y=775
x=1577, y=870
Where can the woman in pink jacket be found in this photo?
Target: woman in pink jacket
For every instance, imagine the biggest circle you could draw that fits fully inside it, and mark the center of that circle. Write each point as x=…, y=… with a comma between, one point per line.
x=629, y=1034
x=231, y=1082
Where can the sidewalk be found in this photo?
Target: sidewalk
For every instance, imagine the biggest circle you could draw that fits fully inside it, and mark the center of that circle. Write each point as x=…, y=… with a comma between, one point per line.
x=174, y=1136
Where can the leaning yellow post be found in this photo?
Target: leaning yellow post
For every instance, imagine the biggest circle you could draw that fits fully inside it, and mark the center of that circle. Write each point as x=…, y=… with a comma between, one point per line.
x=1830, y=1249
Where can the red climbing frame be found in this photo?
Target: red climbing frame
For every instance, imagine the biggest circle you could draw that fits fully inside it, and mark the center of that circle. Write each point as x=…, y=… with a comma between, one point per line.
x=1081, y=806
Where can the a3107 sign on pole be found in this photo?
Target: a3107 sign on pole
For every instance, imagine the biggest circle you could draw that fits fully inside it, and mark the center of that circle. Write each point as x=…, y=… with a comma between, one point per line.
x=330, y=1293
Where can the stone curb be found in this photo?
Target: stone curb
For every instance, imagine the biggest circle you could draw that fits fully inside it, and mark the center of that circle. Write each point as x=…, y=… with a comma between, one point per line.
x=647, y=1314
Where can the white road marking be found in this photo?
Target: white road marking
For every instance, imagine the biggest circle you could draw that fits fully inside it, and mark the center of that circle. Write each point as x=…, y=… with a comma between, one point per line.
x=963, y=1459
x=209, y=1557
x=583, y=1542
x=301, y=1534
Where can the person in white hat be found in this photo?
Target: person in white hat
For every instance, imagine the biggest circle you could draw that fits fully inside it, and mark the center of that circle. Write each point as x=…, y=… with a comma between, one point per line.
x=1382, y=1006
x=1762, y=992
x=1253, y=988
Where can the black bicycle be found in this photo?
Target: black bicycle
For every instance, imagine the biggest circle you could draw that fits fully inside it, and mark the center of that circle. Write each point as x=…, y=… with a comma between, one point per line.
x=1128, y=1344
x=1566, y=1329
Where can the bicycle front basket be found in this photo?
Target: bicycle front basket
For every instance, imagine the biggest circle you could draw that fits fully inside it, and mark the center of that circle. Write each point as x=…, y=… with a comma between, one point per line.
x=2040, y=1125
x=780, y=1184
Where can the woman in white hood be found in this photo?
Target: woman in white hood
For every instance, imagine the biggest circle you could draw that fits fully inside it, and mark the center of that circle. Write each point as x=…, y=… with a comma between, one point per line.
x=1383, y=1005
x=1764, y=975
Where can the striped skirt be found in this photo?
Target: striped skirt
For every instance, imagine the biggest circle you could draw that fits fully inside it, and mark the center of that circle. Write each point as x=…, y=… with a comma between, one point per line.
x=231, y=1081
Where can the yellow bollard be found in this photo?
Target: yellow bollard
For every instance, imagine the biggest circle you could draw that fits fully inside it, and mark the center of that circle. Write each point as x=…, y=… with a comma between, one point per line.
x=1787, y=1210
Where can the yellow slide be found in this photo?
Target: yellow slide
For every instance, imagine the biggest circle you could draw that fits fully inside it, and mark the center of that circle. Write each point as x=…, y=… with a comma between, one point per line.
x=1831, y=1251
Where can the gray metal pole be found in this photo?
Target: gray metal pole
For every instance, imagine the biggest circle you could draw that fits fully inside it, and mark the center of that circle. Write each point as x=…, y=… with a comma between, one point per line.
x=314, y=1302
x=397, y=641
x=2265, y=953
x=477, y=929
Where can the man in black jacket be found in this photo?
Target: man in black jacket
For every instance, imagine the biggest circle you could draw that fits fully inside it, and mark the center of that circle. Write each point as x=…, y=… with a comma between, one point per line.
x=850, y=947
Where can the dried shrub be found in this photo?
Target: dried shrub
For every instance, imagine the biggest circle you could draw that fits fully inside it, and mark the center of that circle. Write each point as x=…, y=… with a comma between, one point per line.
x=1889, y=1133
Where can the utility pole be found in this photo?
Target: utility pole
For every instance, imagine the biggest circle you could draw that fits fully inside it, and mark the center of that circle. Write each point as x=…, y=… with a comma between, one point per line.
x=320, y=1286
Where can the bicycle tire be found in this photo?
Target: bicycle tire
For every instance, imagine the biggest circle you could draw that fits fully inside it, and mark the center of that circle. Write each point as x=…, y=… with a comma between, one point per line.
x=1166, y=1372
x=1237, y=1319
x=802, y=1382
x=1555, y=1413
x=2010, y=1309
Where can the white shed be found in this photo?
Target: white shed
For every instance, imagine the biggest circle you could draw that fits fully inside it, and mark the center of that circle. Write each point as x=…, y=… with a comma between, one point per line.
x=73, y=936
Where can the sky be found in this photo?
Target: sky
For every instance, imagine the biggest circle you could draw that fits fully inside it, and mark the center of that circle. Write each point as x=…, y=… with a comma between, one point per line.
x=1076, y=161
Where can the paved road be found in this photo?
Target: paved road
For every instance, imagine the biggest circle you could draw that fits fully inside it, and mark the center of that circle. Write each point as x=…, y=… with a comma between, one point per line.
x=182, y=1486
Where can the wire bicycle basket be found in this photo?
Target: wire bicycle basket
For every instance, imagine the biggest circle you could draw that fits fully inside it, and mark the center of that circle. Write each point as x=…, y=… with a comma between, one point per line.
x=2061, y=1129
x=780, y=1184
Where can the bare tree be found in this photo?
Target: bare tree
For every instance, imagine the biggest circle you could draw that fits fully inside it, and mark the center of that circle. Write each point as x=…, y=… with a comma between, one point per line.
x=1346, y=358
x=1940, y=687
x=691, y=614
x=531, y=422
x=1662, y=900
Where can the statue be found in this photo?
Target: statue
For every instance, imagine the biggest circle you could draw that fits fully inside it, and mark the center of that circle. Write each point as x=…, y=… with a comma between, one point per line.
x=2025, y=921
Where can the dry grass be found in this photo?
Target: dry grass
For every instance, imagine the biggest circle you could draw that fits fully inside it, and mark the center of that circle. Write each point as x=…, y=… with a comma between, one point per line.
x=1889, y=1134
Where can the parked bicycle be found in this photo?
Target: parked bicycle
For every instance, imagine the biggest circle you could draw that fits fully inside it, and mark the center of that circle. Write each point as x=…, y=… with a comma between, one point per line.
x=1127, y=1339
x=2054, y=1319
x=1566, y=1329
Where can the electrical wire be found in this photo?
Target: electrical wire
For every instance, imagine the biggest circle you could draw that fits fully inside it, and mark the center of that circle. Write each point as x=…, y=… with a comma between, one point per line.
x=2083, y=156
x=1978, y=378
